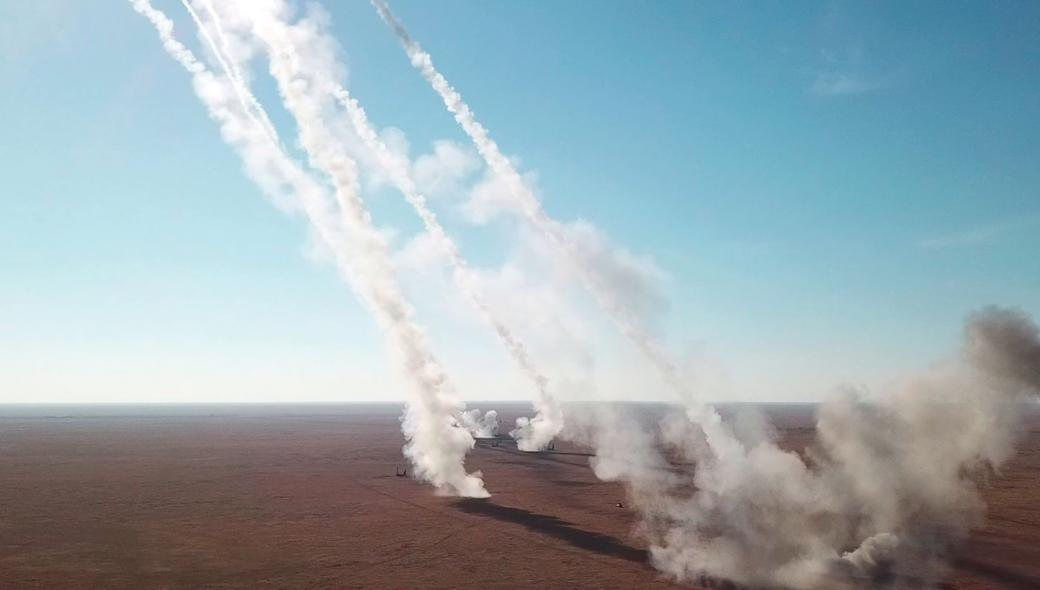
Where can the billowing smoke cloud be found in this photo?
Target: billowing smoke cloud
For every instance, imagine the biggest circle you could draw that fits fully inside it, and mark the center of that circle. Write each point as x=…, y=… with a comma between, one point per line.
x=597, y=275
x=436, y=444
x=482, y=426
x=887, y=491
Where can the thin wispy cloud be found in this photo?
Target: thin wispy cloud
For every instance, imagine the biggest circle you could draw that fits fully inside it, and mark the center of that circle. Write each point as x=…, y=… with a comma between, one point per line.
x=841, y=83
x=844, y=67
x=977, y=236
x=28, y=27
x=845, y=73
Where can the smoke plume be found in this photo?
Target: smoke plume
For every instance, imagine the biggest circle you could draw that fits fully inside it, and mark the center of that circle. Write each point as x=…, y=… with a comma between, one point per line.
x=482, y=426
x=436, y=444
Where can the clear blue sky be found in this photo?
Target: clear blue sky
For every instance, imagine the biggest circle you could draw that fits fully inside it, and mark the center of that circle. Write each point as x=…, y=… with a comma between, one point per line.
x=830, y=188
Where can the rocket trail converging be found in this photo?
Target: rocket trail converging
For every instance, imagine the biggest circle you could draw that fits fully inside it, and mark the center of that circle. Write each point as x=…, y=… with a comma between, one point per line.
x=436, y=444
x=249, y=103
x=549, y=419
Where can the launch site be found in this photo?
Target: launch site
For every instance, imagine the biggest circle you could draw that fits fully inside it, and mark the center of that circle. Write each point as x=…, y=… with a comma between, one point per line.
x=500, y=294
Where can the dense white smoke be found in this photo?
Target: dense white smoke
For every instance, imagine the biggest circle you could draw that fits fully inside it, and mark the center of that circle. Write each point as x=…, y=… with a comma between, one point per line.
x=887, y=491
x=482, y=426
x=609, y=294
x=436, y=444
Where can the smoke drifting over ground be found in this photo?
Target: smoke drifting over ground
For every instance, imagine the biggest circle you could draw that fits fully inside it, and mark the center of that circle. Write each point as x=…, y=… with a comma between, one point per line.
x=885, y=494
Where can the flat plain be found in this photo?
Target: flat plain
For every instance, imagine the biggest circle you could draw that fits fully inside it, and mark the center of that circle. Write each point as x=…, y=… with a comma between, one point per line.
x=307, y=497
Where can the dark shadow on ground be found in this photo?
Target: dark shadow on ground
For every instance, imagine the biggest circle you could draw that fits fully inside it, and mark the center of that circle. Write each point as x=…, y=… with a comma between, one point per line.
x=564, y=453
x=554, y=527
x=1006, y=577
x=503, y=443
x=573, y=483
x=539, y=455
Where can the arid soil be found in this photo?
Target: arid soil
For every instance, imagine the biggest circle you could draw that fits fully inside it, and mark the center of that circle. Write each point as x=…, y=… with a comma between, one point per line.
x=308, y=498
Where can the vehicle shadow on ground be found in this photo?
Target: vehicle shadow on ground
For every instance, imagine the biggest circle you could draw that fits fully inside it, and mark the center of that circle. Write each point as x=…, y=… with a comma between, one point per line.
x=553, y=456
x=554, y=527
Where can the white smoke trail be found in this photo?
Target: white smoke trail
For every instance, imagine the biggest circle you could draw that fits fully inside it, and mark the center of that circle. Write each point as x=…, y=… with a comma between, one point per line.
x=249, y=103
x=526, y=201
x=436, y=444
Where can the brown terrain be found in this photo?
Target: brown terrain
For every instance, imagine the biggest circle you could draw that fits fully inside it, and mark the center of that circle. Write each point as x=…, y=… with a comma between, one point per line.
x=307, y=497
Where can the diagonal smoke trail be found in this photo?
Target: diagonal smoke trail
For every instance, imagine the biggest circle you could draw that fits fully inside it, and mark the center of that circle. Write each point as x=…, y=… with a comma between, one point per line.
x=533, y=211
x=436, y=445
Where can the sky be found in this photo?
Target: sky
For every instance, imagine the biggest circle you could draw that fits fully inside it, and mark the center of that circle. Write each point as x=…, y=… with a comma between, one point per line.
x=819, y=193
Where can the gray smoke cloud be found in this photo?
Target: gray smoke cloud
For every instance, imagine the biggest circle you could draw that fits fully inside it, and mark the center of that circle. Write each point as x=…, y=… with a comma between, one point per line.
x=886, y=492
x=437, y=445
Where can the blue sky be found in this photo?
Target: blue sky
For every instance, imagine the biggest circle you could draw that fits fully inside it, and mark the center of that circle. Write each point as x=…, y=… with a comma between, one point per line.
x=829, y=188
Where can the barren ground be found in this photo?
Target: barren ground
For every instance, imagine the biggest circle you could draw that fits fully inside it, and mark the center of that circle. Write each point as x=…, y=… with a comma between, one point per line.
x=306, y=497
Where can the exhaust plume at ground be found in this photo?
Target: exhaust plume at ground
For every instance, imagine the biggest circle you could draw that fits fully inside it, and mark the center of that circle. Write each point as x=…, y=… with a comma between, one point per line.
x=482, y=426
x=609, y=295
x=886, y=493
x=436, y=444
